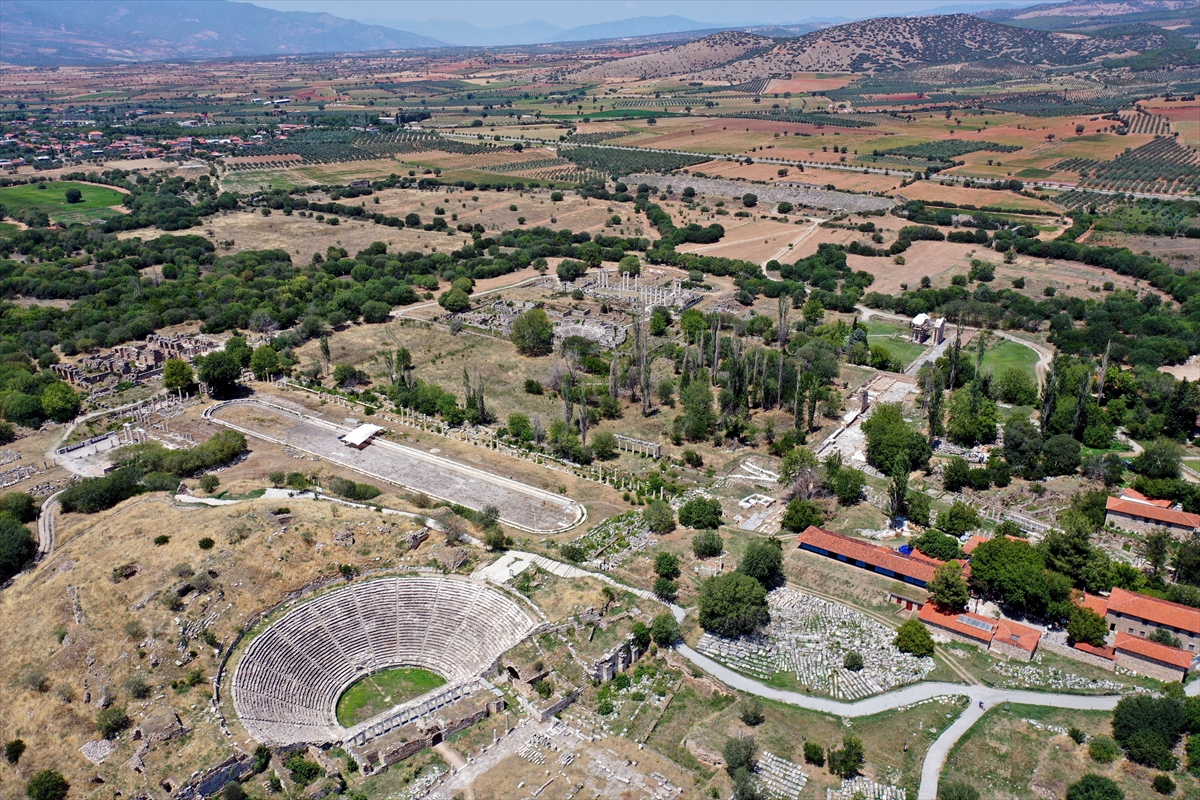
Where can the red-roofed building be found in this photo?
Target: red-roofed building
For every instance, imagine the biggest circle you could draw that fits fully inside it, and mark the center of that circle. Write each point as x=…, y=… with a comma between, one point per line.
x=1137, y=497
x=873, y=557
x=1107, y=653
x=1151, y=658
x=1143, y=517
x=1140, y=615
x=998, y=636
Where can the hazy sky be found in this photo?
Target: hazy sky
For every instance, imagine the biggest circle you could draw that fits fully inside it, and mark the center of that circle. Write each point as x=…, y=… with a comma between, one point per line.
x=570, y=13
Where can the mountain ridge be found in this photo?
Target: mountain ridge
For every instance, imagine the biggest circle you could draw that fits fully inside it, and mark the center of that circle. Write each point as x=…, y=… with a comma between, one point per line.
x=123, y=31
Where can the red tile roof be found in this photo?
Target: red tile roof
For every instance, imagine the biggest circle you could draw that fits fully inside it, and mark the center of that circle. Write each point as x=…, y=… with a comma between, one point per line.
x=1153, y=650
x=1103, y=652
x=1017, y=635
x=972, y=543
x=1096, y=603
x=871, y=554
x=1138, y=497
x=1168, y=516
x=1151, y=609
x=983, y=630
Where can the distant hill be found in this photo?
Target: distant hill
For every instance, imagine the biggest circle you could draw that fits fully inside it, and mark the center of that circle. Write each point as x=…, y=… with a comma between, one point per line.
x=876, y=45
x=702, y=54
x=1088, y=8
x=99, y=31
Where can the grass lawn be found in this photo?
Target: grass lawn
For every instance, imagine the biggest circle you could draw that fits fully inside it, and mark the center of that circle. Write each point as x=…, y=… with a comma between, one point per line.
x=8, y=229
x=1005, y=355
x=383, y=690
x=53, y=198
x=895, y=337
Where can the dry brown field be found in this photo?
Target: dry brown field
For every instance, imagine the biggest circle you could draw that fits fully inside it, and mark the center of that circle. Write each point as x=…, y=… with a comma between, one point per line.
x=932, y=190
x=758, y=241
x=809, y=82
x=1177, y=252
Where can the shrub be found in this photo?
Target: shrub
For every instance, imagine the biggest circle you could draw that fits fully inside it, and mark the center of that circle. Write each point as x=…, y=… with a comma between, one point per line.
x=137, y=687
x=1163, y=784
x=13, y=750
x=800, y=514
x=233, y=791
x=161, y=539
x=573, y=552
x=751, y=712
x=853, y=661
x=814, y=754
x=17, y=546
x=707, y=544
x=666, y=565
x=1077, y=736
x=659, y=517
x=605, y=707
x=112, y=721
x=1104, y=749
x=1094, y=787
x=763, y=561
x=47, y=785
x=957, y=790
x=533, y=387
x=847, y=761
x=206, y=543
x=494, y=539
x=209, y=483
x=302, y=771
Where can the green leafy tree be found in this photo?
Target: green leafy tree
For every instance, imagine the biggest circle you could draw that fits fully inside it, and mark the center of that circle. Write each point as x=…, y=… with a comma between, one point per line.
x=763, y=561
x=60, y=402
x=1161, y=458
x=707, y=544
x=264, y=362
x=666, y=589
x=533, y=333
x=700, y=513
x=659, y=517
x=17, y=546
x=892, y=444
x=958, y=519
x=848, y=485
x=914, y=638
x=604, y=445
x=956, y=475
x=948, y=587
x=971, y=420
x=732, y=605
x=750, y=711
x=664, y=630
x=699, y=419
x=936, y=544
x=739, y=754
x=666, y=565
x=800, y=514
x=1088, y=627
x=178, y=376
x=1060, y=455
x=641, y=636
x=221, y=371
x=1156, y=549
x=112, y=721
x=454, y=301
x=848, y=760
x=13, y=749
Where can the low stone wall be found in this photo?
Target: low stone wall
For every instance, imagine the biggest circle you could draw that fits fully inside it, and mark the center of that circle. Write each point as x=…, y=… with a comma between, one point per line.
x=1151, y=669
x=1079, y=655
x=1008, y=651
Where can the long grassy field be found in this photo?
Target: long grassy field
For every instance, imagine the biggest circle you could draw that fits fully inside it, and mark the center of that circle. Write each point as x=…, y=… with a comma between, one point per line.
x=383, y=690
x=1008, y=355
x=53, y=199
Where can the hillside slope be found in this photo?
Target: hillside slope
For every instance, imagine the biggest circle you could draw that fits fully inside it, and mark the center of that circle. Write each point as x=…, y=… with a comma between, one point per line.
x=99, y=31
x=1088, y=8
x=890, y=43
x=702, y=54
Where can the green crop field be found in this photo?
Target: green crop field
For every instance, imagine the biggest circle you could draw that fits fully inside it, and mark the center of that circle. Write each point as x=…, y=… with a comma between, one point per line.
x=53, y=199
x=1005, y=355
x=383, y=690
